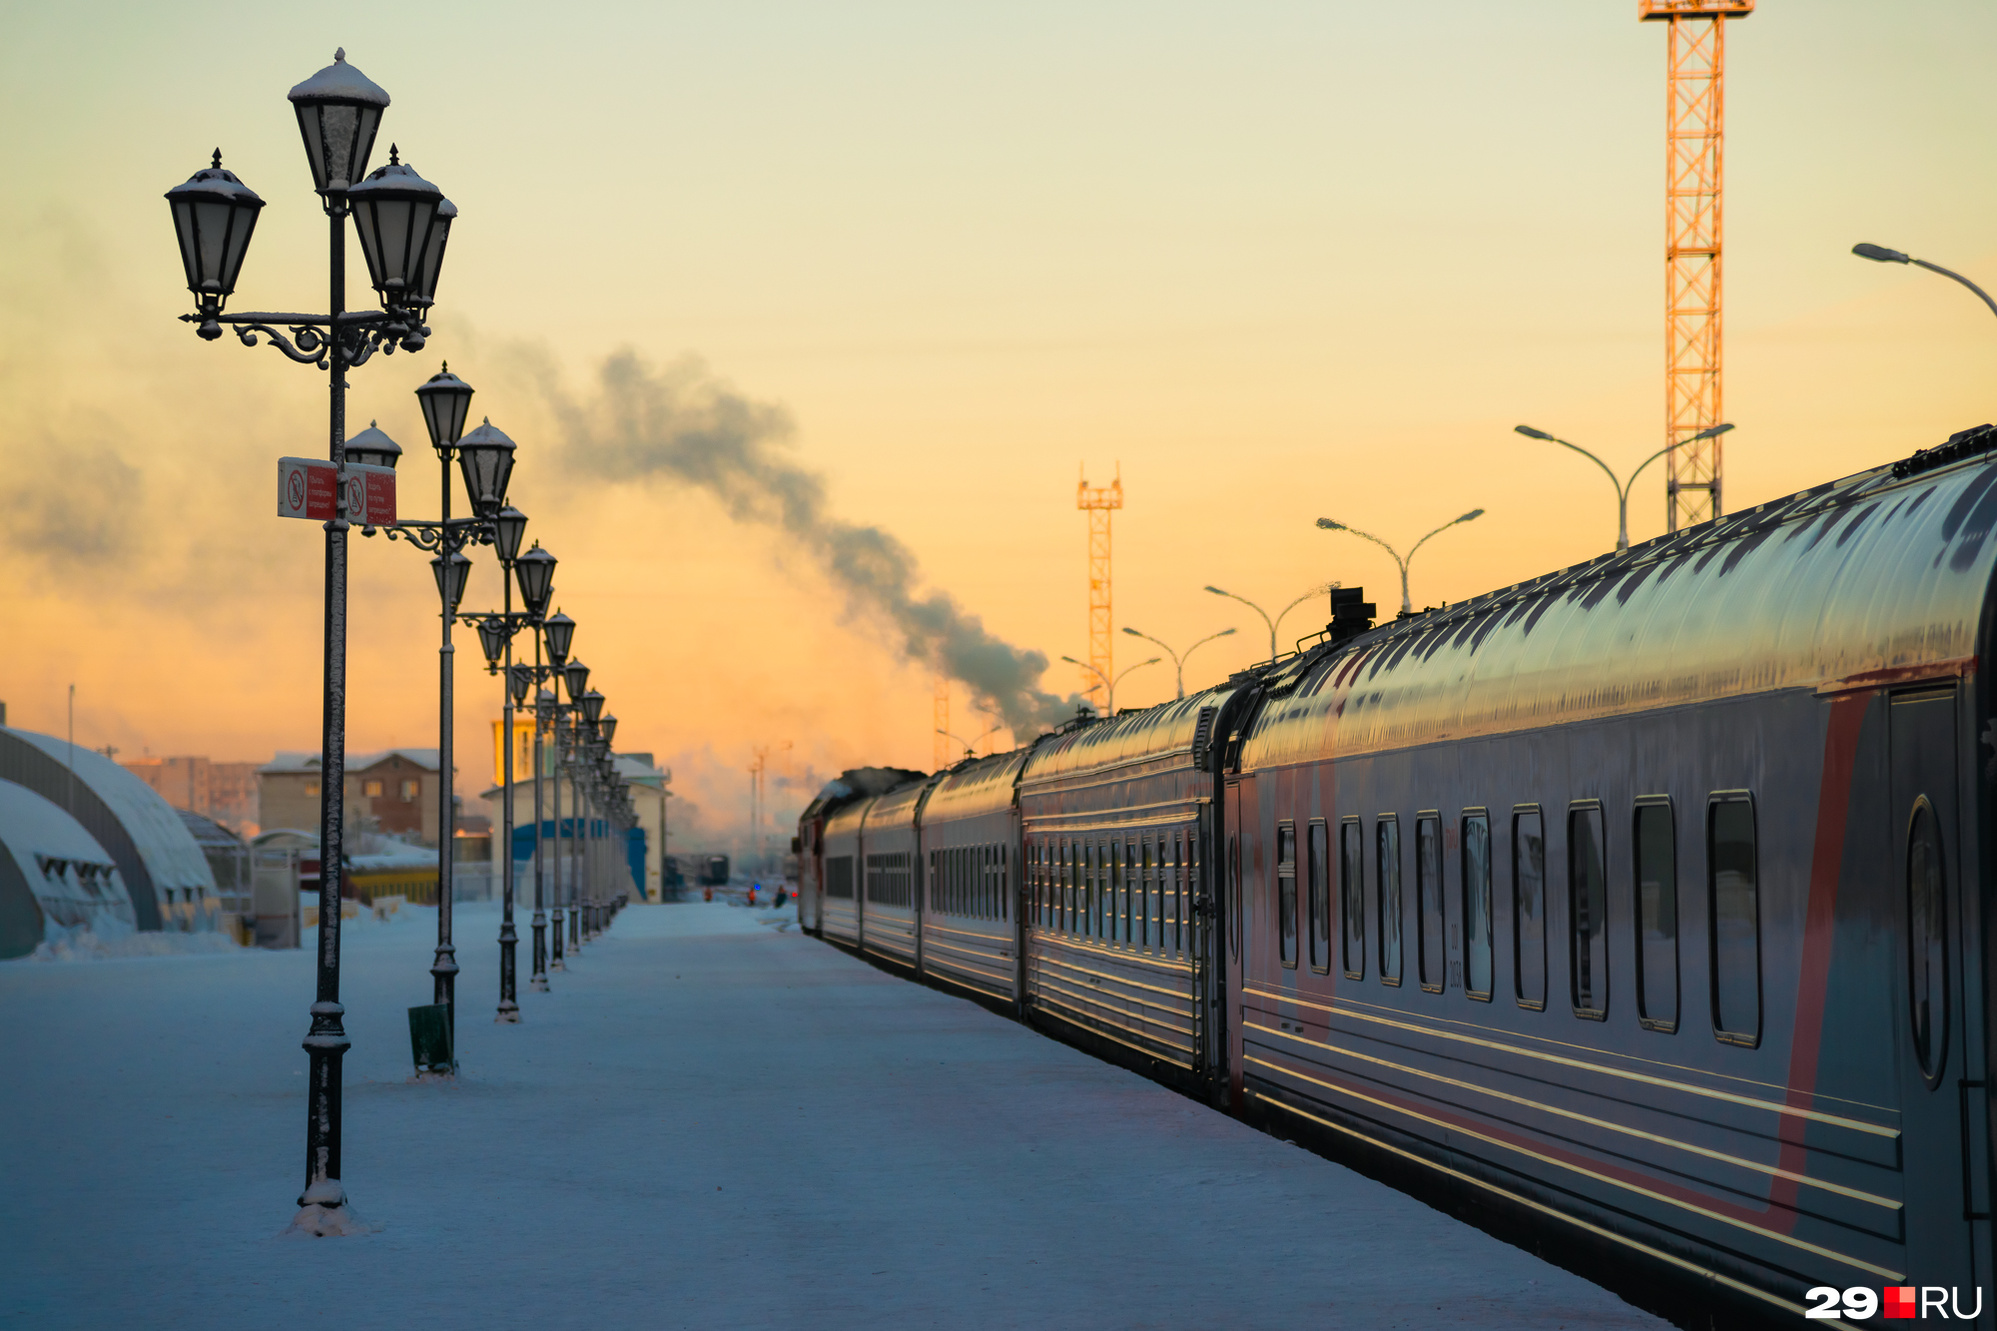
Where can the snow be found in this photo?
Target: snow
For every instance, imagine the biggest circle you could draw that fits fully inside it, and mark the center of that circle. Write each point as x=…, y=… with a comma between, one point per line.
x=710, y=1121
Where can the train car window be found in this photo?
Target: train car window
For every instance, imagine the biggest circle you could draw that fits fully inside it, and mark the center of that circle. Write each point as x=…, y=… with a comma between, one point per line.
x=1927, y=939
x=1118, y=904
x=1101, y=920
x=1431, y=958
x=839, y=877
x=1134, y=889
x=930, y=894
x=1352, y=895
x=1476, y=853
x=1734, y=926
x=1654, y=851
x=1147, y=884
x=1178, y=897
x=1004, y=884
x=1317, y=858
x=1587, y=911
x=1387, y=875
x=1529, y=907
x=1161, y=899
x=1286, y=894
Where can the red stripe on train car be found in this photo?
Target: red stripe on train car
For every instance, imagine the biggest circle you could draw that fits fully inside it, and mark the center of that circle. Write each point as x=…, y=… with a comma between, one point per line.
x=1819, y=934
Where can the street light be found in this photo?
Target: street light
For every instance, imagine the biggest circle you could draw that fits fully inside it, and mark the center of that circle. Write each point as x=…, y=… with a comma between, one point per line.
x=1622, y=487
x=1179, y=658
x=1275, y=623
x=486, y=458
x=1876, y=253
x=496, y=632
x=1407, y=607
x=1109, y=685
x=214, y=215
x=970, y=745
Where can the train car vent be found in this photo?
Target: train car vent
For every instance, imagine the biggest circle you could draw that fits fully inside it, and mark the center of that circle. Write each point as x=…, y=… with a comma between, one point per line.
x=1961, y=444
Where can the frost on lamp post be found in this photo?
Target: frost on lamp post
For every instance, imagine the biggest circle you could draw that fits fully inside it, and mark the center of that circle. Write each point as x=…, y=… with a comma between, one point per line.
x=496, y=630
x=338, y=110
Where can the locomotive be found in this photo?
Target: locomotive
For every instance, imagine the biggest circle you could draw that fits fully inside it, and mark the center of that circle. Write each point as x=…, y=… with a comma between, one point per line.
x=1643, y=900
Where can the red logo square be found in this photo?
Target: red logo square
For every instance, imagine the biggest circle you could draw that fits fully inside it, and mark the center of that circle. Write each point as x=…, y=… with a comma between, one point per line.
x=1900, y=1301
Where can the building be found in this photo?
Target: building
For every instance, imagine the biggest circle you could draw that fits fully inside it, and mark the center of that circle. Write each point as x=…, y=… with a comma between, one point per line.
x=650, y=791
x=225, y=793
x=394, y=792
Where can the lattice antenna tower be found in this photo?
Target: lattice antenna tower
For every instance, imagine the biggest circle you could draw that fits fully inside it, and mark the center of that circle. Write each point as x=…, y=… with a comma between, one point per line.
x=940, y=750
x=1099, y=502
x=1695, y=118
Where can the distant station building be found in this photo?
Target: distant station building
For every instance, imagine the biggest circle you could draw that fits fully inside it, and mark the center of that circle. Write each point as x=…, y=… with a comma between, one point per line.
x=392, y=792
x=91, y=848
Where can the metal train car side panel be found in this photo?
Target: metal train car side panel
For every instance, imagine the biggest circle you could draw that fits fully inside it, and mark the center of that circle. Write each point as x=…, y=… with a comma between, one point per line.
x=890, y=914
x=1115, y=821
x=1652, y=891
x=842, y=792
x=841, y=858
x=971, y=850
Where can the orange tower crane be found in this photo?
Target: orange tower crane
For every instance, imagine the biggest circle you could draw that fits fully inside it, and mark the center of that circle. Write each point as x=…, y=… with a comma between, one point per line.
x=1099, y=502
x=1695, y=116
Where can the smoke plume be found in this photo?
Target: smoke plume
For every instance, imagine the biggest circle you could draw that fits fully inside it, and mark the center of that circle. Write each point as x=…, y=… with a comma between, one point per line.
x=679, y=424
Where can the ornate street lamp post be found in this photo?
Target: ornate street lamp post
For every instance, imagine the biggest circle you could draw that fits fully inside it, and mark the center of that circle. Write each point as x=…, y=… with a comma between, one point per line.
x=485, y=460
x=535, y=572
x=403, y=229
x=557, y=633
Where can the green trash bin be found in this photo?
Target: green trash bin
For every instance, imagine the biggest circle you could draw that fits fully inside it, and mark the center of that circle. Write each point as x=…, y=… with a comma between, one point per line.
x=430, y=1038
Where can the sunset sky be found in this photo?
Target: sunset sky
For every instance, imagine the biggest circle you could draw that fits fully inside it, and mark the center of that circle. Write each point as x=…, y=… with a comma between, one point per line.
x=1276, y=261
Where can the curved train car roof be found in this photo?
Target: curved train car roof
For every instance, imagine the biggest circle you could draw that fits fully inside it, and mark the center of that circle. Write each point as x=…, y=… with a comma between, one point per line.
x=1141, y=741
x=973, y=789
x=898, y=807
x=853, y=784
x=1880, y=576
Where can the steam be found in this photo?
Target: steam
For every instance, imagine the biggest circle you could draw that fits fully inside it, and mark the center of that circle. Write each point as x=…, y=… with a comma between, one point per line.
x=679, y=424
x=72, y=508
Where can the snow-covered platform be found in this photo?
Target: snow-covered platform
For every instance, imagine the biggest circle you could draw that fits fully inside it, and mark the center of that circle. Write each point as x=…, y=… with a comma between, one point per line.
x=709, y=1123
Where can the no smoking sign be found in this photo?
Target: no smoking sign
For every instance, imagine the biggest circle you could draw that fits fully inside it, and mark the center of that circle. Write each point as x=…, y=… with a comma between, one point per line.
x=309, y=488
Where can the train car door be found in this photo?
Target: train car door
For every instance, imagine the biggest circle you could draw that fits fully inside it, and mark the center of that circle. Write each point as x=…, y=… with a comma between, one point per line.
x=1937, y=1086
x=1233, y=923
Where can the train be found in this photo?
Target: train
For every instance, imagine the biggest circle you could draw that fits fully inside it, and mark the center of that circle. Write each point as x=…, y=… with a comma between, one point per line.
x=1640, y=906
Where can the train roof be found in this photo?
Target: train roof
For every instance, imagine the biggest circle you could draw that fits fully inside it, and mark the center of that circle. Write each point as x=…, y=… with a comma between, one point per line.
x=1153, y=737
x=1878, y=577
x=856, y=784
x=981, y=786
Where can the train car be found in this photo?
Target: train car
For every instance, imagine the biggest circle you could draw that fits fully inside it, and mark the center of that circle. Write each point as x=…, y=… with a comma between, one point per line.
x=840, y=852
x=1644, y=900
x=970, y=853
x=1116, y=824
x=1652, y=892
x=838, y=794
x=890, y=914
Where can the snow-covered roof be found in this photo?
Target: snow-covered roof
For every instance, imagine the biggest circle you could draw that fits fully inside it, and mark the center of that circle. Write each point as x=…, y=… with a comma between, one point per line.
x=152, y=848
x=295, y=761
x=638, y=769
x=71, y=877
